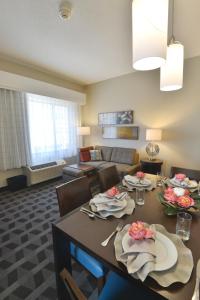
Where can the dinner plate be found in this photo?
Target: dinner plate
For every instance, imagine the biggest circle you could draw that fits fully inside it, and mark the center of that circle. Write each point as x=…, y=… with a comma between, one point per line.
x=166, y=252
x=192, y=184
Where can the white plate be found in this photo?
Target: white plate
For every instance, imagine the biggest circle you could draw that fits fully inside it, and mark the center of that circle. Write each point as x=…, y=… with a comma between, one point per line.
x=143, y=183
x=192, y=184
x=166, y=252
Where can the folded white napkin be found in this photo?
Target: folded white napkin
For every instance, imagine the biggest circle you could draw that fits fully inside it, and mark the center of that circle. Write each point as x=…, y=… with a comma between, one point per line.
x=140, y=258
x=103, y=198
x=127, y=207
x=115, y=205
x=134, y=180
x=185, y=183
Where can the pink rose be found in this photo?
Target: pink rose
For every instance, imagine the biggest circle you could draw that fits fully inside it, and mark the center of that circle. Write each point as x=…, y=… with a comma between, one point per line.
x=112, y=192
x=138, y=231
x=170, y=196
x=180, y=177
x=185, y=201
x=140, y=175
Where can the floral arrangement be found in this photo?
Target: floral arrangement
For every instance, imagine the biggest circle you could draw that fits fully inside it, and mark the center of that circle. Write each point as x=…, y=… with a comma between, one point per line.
x=112, y=192
x=140, y=175
x=176, y=199
x=139, y=231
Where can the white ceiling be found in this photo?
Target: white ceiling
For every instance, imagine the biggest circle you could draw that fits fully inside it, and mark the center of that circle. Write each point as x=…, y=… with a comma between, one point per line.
x=94, y=45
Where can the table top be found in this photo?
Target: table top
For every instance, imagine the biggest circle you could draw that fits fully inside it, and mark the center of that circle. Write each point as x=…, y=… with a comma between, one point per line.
x=82, y=167
x=155, y=161
x=89, y=233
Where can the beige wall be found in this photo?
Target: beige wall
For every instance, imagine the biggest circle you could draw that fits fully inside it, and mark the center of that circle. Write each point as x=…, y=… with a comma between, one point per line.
x=177, y=113
x=34, y=73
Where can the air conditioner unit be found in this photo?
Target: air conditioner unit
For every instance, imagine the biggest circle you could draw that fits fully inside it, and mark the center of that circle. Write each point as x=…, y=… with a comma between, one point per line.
x=39, y=173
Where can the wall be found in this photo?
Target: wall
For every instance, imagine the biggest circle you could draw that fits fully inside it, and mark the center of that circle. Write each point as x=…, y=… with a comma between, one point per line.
x=177, y=113
x=28, y=79
x=28, y=71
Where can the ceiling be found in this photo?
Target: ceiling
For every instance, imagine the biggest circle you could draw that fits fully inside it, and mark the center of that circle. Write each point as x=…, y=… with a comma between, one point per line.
x=94, y=45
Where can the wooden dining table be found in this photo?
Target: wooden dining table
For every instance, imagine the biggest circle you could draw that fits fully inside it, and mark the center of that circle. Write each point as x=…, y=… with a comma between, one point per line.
x=88, y=234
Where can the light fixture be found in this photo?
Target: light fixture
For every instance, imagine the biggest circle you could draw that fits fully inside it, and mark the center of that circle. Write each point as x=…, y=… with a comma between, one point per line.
x=65, y=10
x=171, y=73
x=84, y=130
x=153, y=135
x=149, y=33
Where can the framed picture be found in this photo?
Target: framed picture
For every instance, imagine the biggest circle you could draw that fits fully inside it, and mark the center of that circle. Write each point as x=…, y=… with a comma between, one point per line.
x=125, y=117
x=115, y=118
x=121, y=132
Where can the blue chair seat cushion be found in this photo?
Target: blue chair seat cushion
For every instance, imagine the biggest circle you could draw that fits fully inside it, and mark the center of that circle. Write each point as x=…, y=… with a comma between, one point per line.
x=89, y=263
x=119, y=288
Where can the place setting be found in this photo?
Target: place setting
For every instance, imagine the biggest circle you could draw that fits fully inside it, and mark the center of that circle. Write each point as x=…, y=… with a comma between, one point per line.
x=150, y=250
x=139, y=181
x=112, y=203
x=181, y=180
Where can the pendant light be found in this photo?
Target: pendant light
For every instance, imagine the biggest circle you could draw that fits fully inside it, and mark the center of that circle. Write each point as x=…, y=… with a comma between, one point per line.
x=171, y=73
x=149, y=33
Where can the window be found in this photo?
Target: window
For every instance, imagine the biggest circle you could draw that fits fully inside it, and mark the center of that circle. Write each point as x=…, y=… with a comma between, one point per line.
x=52, y=128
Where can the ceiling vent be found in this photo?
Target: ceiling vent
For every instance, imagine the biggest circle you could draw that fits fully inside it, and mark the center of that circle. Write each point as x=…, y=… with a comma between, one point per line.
x=65, y=10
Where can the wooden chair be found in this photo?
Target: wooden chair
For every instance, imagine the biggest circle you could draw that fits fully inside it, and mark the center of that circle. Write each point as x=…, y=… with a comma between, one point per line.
x=108, y=177
x=70, y=196
x=116, y=288
x=192, y=174
x=73, y=194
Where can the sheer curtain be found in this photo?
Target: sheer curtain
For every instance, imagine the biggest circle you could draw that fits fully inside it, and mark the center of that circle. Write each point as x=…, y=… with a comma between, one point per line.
x=14, y=139
x=52, y=128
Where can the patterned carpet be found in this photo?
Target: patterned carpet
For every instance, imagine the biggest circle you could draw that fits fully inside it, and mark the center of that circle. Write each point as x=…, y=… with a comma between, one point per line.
x=26, y=256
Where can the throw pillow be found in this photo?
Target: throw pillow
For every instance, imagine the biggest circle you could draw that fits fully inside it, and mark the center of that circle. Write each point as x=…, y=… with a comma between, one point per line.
x=95, y=155
x=85, y=154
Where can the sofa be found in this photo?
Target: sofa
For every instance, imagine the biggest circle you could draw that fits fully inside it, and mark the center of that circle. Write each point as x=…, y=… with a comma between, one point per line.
x=125, y=159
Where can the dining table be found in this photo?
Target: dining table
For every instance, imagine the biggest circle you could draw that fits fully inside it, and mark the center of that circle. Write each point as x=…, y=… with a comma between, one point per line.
x=88, y=233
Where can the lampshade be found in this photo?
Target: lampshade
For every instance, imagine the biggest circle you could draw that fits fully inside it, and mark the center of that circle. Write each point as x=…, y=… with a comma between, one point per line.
x=153, y=134
x=171, y=73
x=149, y=33
x=84, y=130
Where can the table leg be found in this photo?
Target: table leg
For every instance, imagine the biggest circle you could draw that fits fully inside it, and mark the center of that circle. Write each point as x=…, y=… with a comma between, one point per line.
x=62, y=259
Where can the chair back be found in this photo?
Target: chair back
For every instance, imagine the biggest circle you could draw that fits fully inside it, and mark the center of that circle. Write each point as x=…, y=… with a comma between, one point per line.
x=192, y=174
x=74, y=292
x=73, y=194
x=108, y=177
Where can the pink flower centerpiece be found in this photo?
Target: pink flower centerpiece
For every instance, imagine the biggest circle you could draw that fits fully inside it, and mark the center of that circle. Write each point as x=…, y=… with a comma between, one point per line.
x=176, y=199
x=140, y=175
x=112, y=192
x=138, y=231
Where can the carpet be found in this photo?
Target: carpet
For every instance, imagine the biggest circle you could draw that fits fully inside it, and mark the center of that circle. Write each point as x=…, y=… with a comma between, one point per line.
x=26, y=255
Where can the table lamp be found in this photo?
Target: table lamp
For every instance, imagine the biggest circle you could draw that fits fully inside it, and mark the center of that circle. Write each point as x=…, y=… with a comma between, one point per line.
x=153, y=135
x=83, y=130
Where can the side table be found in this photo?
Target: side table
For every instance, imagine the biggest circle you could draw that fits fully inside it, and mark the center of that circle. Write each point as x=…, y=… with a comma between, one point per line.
x=151, y=166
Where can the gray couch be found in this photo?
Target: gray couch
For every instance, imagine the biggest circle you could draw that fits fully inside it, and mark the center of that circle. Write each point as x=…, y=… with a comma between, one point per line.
x=125, y=159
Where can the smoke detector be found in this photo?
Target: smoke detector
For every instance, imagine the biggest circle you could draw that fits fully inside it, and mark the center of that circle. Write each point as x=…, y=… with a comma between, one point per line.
x=65, y=10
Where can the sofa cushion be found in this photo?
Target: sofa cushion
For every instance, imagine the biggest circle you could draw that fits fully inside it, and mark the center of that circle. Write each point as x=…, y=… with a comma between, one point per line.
x=85, y=154
x=95, y=155
x=105, y=151
x=124, y=169
x=123, y=155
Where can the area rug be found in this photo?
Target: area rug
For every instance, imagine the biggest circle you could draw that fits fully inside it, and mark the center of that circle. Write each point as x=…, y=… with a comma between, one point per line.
x=26, y=255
